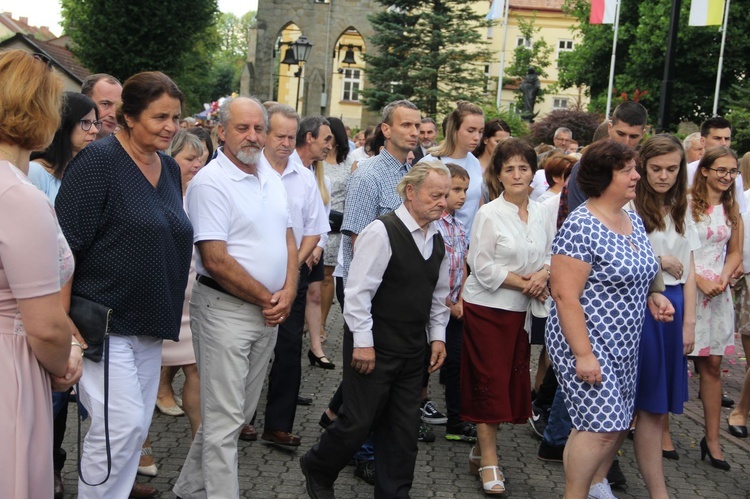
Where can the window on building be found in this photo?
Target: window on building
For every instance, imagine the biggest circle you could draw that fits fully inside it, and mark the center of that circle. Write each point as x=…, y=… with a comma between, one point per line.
x=564, y=46
x=559, y=103
x=351, y=84
x=322, y=1
x=523, y=42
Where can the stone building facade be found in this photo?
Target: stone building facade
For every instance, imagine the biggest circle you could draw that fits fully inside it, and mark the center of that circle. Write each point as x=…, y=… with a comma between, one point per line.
x=326, y=24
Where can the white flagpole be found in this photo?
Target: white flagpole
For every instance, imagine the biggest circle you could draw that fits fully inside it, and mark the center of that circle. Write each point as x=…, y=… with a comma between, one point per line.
x=721, y=57
x=502, y=54
x=612, y=63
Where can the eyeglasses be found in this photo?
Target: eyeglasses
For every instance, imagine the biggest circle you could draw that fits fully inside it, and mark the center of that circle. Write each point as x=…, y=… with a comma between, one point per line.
x=86, y=125
x=43, y=58
x=721, y=172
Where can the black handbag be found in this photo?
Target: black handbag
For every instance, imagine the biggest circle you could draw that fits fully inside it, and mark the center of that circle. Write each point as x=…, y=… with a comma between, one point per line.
x=92, y=321
x=336, y=220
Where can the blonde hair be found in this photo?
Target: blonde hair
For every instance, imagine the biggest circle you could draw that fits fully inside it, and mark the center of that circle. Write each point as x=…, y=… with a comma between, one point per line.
x=320, y=177
x=448, y=146
x=30, y=100
x=745, y=170
x=417, y=175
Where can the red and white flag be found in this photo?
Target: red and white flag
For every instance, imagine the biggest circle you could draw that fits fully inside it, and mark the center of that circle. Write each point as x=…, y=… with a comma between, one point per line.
x=603, y=11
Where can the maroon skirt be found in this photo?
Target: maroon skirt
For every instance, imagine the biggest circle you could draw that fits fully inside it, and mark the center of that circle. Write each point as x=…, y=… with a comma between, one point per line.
x=495, y=379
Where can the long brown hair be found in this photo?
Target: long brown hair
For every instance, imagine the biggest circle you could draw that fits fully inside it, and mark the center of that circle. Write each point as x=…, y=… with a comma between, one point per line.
x=649, y=203
x=448, y=146
x=700, y=188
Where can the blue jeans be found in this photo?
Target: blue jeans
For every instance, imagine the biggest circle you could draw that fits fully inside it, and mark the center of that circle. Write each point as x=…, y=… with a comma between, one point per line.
x=558, y=424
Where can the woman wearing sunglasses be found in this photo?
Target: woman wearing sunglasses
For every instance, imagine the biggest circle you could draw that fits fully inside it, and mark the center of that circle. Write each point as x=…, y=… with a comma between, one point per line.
x=79, y=125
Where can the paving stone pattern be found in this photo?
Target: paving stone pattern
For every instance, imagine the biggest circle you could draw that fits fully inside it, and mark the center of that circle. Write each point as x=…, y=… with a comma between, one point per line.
x=442, y=467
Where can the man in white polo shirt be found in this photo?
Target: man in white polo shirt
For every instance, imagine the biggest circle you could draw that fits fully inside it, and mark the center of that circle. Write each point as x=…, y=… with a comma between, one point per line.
x=247, y=280
x=309, y=221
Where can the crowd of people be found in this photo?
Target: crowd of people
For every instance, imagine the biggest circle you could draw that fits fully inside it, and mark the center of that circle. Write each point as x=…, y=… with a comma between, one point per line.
x=217, y=257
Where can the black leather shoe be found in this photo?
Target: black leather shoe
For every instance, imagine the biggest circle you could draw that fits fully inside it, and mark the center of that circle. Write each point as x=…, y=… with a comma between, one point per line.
x=670, y=454
x=615, y=476
x=737, y=430
x=315, y=489
x=304, y=400
x=283, y=438
x=726, y=402
x=59, y=487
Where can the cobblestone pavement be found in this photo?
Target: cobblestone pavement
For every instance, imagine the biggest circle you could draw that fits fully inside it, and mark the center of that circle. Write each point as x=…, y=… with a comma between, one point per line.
x=442, y=467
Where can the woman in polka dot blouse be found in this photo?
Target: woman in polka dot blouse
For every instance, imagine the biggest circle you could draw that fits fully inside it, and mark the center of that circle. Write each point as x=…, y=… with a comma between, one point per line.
x=120, y=207
x=602, y=266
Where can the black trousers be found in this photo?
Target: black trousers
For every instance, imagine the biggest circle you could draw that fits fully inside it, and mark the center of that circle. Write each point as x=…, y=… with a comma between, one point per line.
x=286, y=371
x=451, y=370
x=385, y=401
x=546, y=394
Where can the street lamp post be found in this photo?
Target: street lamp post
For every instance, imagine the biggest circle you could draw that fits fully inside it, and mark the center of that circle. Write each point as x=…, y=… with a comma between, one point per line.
x=300, y=51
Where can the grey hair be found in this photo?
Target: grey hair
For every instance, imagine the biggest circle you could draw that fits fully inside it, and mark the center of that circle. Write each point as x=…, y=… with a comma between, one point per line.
x=562, y=129
x=417, y=175
x=183, y=139
x=310, y=124
x=224, y=110
x=688, y=142
x=388, y=110
x=284, y=110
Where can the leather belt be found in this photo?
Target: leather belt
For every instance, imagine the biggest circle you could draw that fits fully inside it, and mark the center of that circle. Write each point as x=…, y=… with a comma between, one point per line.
x=207, y=281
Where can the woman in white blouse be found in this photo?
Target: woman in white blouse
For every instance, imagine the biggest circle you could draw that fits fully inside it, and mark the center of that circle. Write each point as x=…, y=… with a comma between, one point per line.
x=509, y=259
x=661, y=202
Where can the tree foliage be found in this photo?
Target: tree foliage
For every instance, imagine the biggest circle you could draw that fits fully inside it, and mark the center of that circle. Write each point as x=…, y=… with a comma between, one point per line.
x=177, y=37
x=428, y=51
x=518, y=127
x=739, y=115
x=538, y=56
x=582, y=124
x=640, y=60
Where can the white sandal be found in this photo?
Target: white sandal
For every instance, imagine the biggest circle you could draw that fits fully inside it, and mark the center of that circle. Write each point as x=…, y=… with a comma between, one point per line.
x=490, y=487
x=151, y=469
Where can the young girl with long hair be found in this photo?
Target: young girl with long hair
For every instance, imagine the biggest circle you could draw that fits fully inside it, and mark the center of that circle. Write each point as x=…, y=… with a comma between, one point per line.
x=661, y=202
x=716, y=216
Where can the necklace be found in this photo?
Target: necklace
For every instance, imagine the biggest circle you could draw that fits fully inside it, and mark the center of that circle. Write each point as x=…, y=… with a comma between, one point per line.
x=13, y=159
x=611, y=220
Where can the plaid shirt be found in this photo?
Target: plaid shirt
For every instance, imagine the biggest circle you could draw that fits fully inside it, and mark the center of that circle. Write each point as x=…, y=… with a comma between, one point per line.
x=371, y=193
x=456, y=248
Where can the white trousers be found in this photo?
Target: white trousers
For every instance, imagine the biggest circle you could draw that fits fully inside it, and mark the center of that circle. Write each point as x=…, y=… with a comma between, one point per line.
x=134, y=367
x=233, y=346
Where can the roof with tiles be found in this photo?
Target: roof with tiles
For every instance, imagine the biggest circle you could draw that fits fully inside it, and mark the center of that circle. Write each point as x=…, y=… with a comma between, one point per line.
x=56, y=51
x=541, y=5
x=21, y=25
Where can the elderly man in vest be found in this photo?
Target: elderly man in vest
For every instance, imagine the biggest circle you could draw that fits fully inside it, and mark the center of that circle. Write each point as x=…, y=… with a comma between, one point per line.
x=396, y=290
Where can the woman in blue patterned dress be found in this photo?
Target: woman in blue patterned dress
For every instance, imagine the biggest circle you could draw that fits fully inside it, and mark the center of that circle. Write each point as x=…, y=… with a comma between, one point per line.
x=602, y=266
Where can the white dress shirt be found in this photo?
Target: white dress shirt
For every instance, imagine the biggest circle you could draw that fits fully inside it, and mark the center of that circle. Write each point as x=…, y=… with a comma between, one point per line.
x=306, y=208
x=372, y=253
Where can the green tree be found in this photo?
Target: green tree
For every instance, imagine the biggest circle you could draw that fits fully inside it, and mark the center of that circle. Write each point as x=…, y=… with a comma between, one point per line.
x=641, y=43
x=124, y=38
x=739, y=115
x=428, y=51
x=538, y=55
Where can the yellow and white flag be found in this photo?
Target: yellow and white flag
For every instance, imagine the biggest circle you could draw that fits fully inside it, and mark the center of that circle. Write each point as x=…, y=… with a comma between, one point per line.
x=706, y=13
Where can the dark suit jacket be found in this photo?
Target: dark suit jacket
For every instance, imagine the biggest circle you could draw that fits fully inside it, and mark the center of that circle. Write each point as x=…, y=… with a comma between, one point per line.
x=417, y=154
